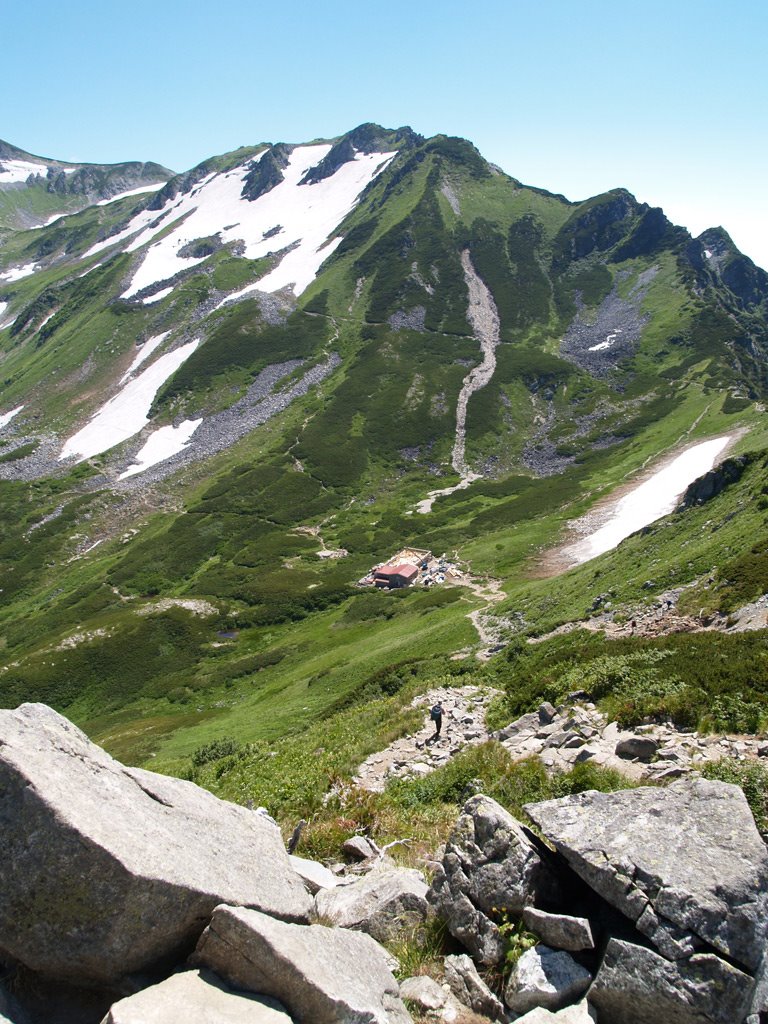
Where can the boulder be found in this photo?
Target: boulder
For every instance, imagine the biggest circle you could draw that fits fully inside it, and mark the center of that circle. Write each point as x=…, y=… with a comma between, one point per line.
x=489, y=863
x=634, y=985
x=384, y=902
x=470, y=989
x=423, y=992
x=579, y=1013
x=643, y=748
x=686, y=863
x=107, y=870
x=559, y=930
x=196, y=996
x=545, y=977
x=358, y=848
x=322, y=975
x=314, y=875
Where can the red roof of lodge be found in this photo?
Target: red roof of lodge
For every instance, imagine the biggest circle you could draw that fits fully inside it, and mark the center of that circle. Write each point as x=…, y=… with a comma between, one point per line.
x=406, y=571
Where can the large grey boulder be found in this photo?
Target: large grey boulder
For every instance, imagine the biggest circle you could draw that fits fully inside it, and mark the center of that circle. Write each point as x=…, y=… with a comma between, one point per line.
x=107, y=870
x=322, y=975
x=545, y=977
x=637, y=986
x=560, y=931
x=382, y=903
x=198, y=996
x=313, y=874
x=685, y=863
x=489, y=864
x=470, y=989
x=424, y=992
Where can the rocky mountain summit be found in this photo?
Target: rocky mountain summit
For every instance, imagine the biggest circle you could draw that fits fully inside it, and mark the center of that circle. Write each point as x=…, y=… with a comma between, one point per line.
x=129, y=897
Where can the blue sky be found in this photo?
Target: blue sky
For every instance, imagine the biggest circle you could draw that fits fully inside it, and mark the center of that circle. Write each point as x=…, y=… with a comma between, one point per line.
x=667, y=99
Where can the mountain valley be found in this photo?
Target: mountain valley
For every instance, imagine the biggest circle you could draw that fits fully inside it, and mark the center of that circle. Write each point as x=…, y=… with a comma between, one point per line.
x=212, y=379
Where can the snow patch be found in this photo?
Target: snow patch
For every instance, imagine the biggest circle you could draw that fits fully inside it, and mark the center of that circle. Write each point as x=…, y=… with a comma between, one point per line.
x=128, y=412
x=308, y=214
x=19, y=170
x=161, y=445
x=16, y=273
x=132, y=192
x=6, y=417
x=144, y=353
x=157, y=296
x=3, y=307
x=708, y=254
x=649, y=501
x=49, y=317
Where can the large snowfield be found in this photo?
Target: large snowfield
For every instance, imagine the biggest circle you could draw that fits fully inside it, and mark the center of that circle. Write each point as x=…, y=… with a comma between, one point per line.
x=14, y=171
x=128, y=412
x=306, y=217
x=649, y=501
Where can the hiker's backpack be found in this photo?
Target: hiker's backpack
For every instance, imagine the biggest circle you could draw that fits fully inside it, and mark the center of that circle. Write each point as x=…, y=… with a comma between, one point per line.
x=436, y=713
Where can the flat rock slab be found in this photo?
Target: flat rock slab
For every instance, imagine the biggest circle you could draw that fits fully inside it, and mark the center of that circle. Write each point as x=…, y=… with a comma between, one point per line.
x=322, y=975
x=107, y=870
x=637, y=986
x=313, y=874
x=196, y=996
x=559, y=930
x=489, y=863
x=382, y=903
x=685, y=863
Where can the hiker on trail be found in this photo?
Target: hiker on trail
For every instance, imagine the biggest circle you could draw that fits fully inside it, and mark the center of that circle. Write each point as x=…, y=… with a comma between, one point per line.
x=436, y=716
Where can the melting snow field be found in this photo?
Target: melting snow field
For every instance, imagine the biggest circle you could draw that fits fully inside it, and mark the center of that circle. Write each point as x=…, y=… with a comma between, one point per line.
x=161, y=445
x=17, y=273
x=128, y=412
x=306, y=215
x=6, y=417
x=19, y=170
x=649, y=501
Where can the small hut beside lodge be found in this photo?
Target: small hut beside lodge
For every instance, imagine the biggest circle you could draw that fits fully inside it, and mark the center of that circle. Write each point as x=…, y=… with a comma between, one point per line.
x=395, y=576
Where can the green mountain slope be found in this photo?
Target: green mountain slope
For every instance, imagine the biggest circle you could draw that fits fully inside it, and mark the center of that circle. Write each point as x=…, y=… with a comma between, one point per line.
x=194, y=600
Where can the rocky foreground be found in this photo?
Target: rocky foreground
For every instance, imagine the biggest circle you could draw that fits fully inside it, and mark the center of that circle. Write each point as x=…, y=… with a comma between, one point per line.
x=131, y=898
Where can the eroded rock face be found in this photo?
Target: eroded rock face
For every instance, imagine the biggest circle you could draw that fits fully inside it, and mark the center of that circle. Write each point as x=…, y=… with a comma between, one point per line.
x=322, y=975
x=686, y=864
x=637, y=986
x=196, y=996
x=386, y=901
x=489, y=864
x=107, y=870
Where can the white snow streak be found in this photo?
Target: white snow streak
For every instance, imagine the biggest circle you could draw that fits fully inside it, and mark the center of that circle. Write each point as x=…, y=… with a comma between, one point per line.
x=132, y=192
x=144, y=353
x=6, y=417
x=161, y=445
x=3, y=307
x=157, y=297
x=608, y=343
x=307, y=216
x=649, y=501
x=127, y=413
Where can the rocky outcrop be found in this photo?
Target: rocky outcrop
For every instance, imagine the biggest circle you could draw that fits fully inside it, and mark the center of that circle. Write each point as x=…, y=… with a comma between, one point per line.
x=490, y=866
x=196, y=996
x=322, y=975
x=686, y=864
x=637, y=986
x=107, y=870
x=559, y=930
x=382, y=903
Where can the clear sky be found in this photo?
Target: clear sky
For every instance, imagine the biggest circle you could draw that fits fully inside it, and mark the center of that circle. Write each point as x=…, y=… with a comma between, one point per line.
x=668, y=99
